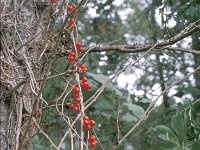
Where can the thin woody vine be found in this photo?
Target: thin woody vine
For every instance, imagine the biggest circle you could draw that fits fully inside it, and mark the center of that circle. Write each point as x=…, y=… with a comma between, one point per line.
x=76, y=83
x=81, y=83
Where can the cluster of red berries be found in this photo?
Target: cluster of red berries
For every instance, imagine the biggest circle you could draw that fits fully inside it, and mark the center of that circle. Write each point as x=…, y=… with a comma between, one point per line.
x=72, y=57
x=71, y=8
x=82, y=69
x=79, y=47
x=72, y=21
x=76, y=106
x=84, y=83
x=93, y=141
x=88, y=124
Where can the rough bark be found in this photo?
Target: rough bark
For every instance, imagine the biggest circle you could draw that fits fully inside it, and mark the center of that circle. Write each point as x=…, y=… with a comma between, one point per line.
x=23, y=25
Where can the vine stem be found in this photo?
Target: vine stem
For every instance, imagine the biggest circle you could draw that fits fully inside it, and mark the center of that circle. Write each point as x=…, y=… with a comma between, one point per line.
x=80, y=95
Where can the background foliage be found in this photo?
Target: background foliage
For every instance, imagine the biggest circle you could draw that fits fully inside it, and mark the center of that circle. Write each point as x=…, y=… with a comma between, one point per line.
x=174, y=124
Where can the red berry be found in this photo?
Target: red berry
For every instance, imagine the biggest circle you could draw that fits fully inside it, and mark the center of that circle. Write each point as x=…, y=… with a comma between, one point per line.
x=76, y=109
x=92, y=123
x=78, y=45
x=87, y=86
x=88, y=127
x=84, y=70
x=72, y=23
x=86, y=122
x=73, y=6
x=71, y=58
x=69, y=8
x=54, y=1
x=84, y=79
x=85, y=117
x=78, y=100
x=71, y=105
x=81, y=84
x=78, y=70
x=76, y=95
x=93, y=144
x=76, y=12
x=77, y=105
x=76, y=90
x=82, y=66
x=72, y=54
x=92, y=138
x=81, y=49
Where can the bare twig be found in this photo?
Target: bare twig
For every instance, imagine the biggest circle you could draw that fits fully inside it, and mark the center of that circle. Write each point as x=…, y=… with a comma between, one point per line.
x=45, y=135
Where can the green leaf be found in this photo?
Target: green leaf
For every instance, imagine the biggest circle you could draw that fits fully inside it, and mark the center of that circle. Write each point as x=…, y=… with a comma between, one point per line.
x=165, y=146
x=100, y=78
x=196, y=145
x=104, y=104
x=128, y=117
x=145, y=100
x=178, y=124
x=164, y=133
x=135, y=109
x=187, y=102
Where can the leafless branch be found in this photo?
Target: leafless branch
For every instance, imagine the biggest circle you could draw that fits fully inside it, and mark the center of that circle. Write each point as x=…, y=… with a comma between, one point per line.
x=160, y=46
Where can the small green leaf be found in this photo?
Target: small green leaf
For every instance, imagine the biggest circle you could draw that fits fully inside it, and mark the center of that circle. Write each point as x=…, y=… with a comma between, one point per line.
x=145, y=100
x=135, y=109
x=178, y=124
x=100, y=78
x=164, y=133
x=196, y=145
x=128, y=117
x=104, y=104
x=187, y=102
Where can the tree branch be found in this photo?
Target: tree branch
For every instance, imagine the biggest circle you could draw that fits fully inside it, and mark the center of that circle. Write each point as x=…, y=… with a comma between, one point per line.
x=195, y=27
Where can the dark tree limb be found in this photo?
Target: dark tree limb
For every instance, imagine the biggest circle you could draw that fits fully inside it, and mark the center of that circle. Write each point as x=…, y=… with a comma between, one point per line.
x=195, y=27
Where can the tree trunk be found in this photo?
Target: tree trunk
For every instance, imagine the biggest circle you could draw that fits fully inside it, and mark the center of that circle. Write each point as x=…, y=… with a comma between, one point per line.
x=23, y=25
x=159, y=63
x=196, y=46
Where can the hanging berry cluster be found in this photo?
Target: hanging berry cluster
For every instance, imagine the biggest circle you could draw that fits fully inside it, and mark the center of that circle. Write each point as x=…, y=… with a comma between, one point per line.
x=54, y=1
x=88, y=124
x=81, y=69
x=70, y=8
x=93, y=141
